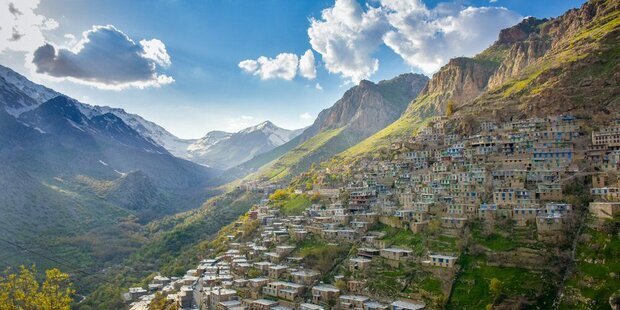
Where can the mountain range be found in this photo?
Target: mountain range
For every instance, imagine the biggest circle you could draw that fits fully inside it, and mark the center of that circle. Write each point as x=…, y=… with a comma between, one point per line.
x=362, y=111
x=77, y=176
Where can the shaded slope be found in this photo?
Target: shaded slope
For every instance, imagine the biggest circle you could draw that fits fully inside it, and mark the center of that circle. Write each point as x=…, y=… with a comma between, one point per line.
x=362, y=111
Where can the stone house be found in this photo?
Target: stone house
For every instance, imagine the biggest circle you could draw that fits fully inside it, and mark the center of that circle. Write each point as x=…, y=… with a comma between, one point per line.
x=324, y=294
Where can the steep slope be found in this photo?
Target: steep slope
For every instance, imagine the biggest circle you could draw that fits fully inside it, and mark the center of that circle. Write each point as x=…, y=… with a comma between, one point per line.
x=362, y=111
x=29, y=95
x=225, y=150
x=572, y=66
x=149, y=130
x=568, y=64
x=253, y=141
x=79, y=187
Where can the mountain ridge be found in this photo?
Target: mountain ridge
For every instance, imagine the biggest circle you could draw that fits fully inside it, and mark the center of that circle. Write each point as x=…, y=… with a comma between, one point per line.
x=532, y=69
x=363, y=110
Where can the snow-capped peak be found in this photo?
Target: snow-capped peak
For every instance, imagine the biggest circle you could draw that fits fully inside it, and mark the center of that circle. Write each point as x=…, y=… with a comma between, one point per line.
x=38, y=93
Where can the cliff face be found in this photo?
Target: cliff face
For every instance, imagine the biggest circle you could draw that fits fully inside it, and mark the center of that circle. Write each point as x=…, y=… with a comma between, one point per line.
x=567, y=64
x=460, y=81
x=369, y=107
x=362, y=111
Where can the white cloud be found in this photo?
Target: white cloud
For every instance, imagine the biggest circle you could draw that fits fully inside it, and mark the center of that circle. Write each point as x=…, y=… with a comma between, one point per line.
x=307, y=69
x=346, y=36
x=106, y=58
x=21, y=29
x=70, y=40
x=318, y=86
x=284, y=66
x=427, y=39
x=305, y=116
x=155, y=50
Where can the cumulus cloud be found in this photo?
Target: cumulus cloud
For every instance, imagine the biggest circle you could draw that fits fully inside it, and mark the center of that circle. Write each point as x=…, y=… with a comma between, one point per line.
x=428, y=38
x=318, y=86
x=346, y=35
x=284, y=66
x=307, y=69
x=155, y=50
x=106, y=58
x=21, y=29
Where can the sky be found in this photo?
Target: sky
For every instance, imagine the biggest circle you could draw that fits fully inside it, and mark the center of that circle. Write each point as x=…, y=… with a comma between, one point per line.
x=194, y=66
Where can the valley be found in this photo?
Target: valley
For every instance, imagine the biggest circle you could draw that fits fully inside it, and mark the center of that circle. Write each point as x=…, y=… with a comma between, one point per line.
x=492, y=184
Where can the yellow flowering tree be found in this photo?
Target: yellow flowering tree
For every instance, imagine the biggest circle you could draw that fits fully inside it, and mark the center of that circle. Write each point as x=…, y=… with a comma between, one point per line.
x=22, y=290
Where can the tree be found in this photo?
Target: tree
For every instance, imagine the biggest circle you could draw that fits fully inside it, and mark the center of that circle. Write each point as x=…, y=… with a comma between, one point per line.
x=279, y=194
x=450, y=108
x=23, y=291
x=341, y=285
x=433, y=227
x=496, y=286
x=160, y=302
x=254, y=273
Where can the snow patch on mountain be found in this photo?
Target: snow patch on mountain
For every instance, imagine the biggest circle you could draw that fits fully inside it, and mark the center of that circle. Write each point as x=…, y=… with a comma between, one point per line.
x=38, y=93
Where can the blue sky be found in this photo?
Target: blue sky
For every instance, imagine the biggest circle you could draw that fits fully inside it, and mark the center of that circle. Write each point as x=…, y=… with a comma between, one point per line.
x=189, y=78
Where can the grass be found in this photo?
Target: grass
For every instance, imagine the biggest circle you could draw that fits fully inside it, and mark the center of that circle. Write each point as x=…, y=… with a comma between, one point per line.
x=471, y=289
x=320, y=255
x=402, y=238
x=430, y=285
x=443, y=244
x=284, y=166
x=598, y=265
x=495, y=241
x=295, y=205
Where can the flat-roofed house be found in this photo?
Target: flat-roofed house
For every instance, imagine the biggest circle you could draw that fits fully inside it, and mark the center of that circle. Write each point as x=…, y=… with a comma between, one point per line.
x=359, y=263
x=262, y=304
x=396, y=254
x=305, y=277
x=407, y=305
x=355, y=302
x=438, y=260
x=324, y=294
x=284, y=290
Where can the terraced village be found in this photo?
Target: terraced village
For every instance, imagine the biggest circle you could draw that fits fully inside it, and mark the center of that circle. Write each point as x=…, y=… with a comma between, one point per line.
x=489, y=182
x=522, y=214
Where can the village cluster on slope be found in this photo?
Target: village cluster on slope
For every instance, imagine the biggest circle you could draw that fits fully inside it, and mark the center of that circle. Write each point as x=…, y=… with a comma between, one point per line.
x=435, y=181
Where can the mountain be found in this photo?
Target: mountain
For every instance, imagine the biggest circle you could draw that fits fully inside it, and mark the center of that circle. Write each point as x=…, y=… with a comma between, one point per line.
x=224, y=150
x=363, y=110
x=78, y=182
x=18, y=94
x=173, y=144
x=569, y=64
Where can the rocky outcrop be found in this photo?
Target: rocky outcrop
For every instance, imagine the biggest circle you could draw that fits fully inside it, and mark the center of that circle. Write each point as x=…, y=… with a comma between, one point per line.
x=558, y=65
x=369, y=107
x=519, y=55
x=460, y=81
x=362, y=111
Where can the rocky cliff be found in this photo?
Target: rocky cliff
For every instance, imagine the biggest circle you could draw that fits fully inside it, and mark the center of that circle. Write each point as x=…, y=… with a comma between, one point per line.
x=569, y=64
x=369, y=107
